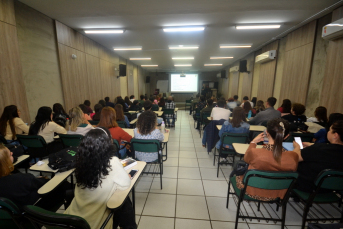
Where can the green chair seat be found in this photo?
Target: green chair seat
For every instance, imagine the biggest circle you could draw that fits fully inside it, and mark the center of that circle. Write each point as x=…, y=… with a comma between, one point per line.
x=319, y=198
x=71, y=140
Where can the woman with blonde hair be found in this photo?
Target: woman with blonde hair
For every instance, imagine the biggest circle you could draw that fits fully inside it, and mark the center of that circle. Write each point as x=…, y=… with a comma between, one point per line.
x=77, y=122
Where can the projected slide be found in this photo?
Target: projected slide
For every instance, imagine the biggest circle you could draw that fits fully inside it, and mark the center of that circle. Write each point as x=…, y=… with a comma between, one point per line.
x=184, y=84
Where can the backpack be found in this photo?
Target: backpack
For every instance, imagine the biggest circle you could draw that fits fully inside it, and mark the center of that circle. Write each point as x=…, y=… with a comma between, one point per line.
x=60, y=119
x=63, y=160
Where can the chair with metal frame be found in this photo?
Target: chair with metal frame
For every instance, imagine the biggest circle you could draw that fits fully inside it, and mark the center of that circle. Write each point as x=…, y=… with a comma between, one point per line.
x=203, y=120
x=122, y=124
x=11, y=216
x=331, y=180
x=188, y=104
x=168, y=112
x=71, y=140
x=40, y=217
x=149, y=146
x=268, y=180
x=229, y=139
x=36, y=145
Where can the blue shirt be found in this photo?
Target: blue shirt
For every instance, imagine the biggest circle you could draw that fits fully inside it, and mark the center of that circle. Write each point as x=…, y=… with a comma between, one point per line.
x=320, y=136
x=228, y=128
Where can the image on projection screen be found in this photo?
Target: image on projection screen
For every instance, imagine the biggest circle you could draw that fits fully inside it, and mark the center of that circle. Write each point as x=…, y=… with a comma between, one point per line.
x=184, y=84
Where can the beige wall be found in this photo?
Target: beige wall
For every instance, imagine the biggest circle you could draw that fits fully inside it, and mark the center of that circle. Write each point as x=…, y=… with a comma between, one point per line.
x=39, y=59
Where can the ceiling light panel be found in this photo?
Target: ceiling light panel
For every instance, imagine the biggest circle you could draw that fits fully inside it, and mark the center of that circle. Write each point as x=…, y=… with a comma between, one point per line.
x=127, y=48
x=149, y=65
x=104, y=31
x=220, y=57
x=213, y=64
x=257, y=26
x=140, y=58
x=235, y=46
x=183, y=58
x=184, y=29
x=183, y=47
x=182, y=65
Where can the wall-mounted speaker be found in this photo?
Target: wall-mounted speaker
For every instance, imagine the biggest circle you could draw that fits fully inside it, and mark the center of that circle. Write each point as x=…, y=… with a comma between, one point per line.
x=147, y=79
x=122, y=70
x=243, y=66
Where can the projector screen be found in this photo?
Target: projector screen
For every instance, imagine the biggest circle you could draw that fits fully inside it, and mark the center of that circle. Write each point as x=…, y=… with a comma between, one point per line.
x=184, y=84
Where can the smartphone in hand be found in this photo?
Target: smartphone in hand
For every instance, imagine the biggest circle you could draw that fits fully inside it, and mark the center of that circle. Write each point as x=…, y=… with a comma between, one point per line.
x=298, y=140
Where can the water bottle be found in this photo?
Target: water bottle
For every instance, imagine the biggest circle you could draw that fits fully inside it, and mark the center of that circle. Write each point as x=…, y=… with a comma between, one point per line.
x=163, y=127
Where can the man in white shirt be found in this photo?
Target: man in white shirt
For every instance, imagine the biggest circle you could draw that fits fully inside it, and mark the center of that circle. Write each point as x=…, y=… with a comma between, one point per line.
x=220, y=112
x=246, y=99
x=132, y=98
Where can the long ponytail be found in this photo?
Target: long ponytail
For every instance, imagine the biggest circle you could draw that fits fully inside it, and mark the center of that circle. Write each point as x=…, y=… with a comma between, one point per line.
x=277, y=129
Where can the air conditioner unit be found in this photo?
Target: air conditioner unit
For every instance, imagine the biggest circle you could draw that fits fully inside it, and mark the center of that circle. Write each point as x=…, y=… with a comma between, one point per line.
x=265, y=57
x=219, y=75
x=333, y=30
x=234, y=69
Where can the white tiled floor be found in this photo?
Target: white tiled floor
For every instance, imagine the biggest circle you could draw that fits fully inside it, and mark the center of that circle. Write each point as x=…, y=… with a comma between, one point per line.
x=192, y=195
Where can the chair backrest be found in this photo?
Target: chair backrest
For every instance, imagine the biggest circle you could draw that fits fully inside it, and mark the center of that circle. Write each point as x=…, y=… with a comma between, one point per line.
x=93, y=122
x=122, y=124
x=229, y=138
x=146, y=145
x=116, y=143
x=205, y=115
x=330, y=179
x=41, y=217
x=188, y=102
x=71, y=140
x=270, y=180
x=31, y=141
x=128, y=115
x=168, y=111
x=11, y=217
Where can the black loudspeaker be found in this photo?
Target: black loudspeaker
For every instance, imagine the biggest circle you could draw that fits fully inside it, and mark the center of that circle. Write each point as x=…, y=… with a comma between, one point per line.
x=122, y=70
x=243, y=66
x=223, y=74
x=147, y=79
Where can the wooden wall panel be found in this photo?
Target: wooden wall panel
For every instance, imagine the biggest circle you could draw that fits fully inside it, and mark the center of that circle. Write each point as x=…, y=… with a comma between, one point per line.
x=12, y=88
x=69, y=37
x=246, y=84
x=135, y=80
x=267, y=74
x=91, y=47
x=302, y=36
x=73, y=72
x=233, y=84
x=7, y=12
x=130, y=79
x=332, y=93
x=93, y=82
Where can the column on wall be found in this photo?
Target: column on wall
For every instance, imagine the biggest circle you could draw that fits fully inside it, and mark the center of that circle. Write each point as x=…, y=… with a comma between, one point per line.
x=280, y=62
x=256, y=75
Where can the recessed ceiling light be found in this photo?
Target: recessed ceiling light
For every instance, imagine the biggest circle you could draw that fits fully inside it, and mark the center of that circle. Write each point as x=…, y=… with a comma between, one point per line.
x=127, y=48
x=183, y=47
x=183, y=58
x=138, y=58
x=220, y=57
x=182, y=65
x=257, y=26
x=105, y=31
x=149, y=65
x=183, y=29
x=213, y=64
x=235, y=46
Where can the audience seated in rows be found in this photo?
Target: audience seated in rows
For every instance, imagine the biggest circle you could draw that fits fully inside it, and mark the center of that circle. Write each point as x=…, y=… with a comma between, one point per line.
x=272, y=157
x=84, y=110
x=135, y=106
x=59, y=115
x=220, y=112
x=259, y=106
x=315, y=158
x=249, y=111
x=148, y=107
x=122, y=102
x=108, y=120
x=254, y=101
x=147, y=129
x=162, y=102
x=268, y=114
x=96, y=153
x=11, y=124
x=235, y=97
x=170, y=105
x=142, y=99
x=22, y=188
x=97, y=109
x=285, y=107
x=102, y=102
x=246, y=99
x=120, y=114
x=87, y=103
x=320, y=116
x=77, y=122
x=132, y=98
x=202, y=103
x=208, y=108
x=45, y=127
x=321, y=135
x=127, y=101
x=154, y=104
x=296, y=118
x=231, y=103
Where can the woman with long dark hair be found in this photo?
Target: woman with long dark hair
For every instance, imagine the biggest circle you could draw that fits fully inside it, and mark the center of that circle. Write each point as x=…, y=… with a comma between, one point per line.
x=97, y=108
x=59, y=115
x=11, y=124
x=45, y=127
x=249, y=111
x=127, y=101
x=98, y=175
x=286, y=106
x=162, y=102
x=272, y=157
x=122, y=102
